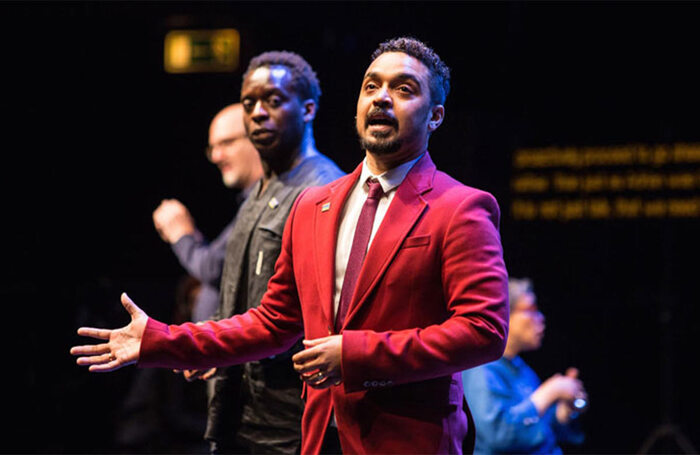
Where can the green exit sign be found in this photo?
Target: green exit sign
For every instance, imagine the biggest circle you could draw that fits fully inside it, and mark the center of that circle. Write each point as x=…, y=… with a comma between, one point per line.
x=200, y=51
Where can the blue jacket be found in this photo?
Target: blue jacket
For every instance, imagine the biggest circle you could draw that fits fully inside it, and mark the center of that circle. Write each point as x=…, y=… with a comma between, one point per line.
x=506, y=420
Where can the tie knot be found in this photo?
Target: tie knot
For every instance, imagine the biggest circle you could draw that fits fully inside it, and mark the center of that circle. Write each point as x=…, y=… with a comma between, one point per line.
x=375, y=189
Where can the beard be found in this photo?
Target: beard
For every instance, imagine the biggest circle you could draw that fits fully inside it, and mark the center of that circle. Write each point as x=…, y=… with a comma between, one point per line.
x=381, y=146
x=379, y=143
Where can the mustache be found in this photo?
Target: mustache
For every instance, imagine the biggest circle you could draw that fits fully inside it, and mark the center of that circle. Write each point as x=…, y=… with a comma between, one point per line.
x=385, y=116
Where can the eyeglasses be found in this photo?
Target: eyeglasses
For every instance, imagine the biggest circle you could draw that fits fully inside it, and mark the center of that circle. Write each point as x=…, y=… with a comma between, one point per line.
x=228, y=142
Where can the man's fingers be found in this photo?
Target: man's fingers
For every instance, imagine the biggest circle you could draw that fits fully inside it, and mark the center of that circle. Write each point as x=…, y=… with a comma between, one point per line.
x=130, y=306
x=100, y=334
x=105, y=367
x=320, y=380
x=90, y=349
x=307, y=361
x=208, y=374
x=189, y=375
x=315, y=342
x=312, y=378
x=96, y=359
x=305, y=356
x=309, y=367
x=313, y=350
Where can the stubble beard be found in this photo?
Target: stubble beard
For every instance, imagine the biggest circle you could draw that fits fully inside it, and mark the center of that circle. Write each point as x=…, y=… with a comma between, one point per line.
x=381, y=145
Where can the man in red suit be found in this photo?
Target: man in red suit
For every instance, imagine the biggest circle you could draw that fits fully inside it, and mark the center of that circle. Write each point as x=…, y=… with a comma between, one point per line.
x=393, y=275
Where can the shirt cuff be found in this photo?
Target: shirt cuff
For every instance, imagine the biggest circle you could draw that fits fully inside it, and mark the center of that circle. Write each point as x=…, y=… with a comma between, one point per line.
x=186, y=243
x=527, y=411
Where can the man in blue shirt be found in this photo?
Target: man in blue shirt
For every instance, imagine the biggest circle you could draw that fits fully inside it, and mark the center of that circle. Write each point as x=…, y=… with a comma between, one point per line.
x=240, y=166
x=512, y=410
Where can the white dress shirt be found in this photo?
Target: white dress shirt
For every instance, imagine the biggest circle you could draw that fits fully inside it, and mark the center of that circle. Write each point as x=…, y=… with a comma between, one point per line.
x=389, y=181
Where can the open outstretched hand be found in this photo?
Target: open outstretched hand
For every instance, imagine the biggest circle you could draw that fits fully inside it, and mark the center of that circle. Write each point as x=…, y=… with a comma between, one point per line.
x=122, y=345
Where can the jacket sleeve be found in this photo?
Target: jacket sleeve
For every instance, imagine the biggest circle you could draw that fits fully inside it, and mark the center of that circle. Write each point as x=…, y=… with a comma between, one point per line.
x=271, y=328
x=203, y=260
x=507, y=421
x=474, y=284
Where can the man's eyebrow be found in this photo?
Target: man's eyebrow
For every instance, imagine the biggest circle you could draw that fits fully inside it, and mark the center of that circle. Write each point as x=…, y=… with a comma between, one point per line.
x=370, y=75
x=267, y=92
x=402, y=76
x=409, y=77
x=273, y=91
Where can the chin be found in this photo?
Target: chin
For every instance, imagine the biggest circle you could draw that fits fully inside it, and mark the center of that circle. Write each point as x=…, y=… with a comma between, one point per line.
x=381, y=147
x=230, y=181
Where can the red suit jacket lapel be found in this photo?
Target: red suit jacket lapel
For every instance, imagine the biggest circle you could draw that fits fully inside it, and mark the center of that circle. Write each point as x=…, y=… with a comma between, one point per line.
x=329, y=208
x=404, y=212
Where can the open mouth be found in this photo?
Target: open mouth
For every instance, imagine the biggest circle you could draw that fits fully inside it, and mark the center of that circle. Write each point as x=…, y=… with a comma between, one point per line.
x=381, y=120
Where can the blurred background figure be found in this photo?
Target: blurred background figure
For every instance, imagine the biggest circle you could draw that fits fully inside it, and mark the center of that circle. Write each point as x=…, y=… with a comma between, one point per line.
x=231, y=151
x=513, y=411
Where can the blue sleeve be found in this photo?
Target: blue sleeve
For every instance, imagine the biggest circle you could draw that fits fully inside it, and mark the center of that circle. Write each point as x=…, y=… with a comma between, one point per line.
x=202, y=260
x=505, y=421
x=571, y=433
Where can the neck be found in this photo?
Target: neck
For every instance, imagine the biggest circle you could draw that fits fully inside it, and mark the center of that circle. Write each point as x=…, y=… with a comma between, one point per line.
x=305, y=149
x=378, y=164
x=511, y=350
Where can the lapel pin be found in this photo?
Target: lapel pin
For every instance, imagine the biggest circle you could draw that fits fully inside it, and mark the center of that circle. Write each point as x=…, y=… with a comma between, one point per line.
x=326, y=207
x=273, y=203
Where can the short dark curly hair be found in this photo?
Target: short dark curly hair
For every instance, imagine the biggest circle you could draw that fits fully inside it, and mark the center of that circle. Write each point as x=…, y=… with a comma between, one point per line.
x=304, y=78
x=439, y=72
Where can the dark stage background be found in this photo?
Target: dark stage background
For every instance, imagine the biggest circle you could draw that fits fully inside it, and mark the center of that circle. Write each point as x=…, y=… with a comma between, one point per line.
x=99, y=134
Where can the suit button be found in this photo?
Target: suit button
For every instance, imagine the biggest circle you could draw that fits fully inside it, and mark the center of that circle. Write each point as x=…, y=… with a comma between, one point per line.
x=389, y=382
x=366, y=384
x=382, y=383
x=375, y=383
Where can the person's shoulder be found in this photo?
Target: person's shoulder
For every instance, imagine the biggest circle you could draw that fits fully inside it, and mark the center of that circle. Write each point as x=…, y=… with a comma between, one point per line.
x=314, y=171
x=452, y=191
x=322, y=190
x=488, y=375
x=313, y=193
x=442, y=180
x=482, y=374
x=320, y=170
x=327, y=170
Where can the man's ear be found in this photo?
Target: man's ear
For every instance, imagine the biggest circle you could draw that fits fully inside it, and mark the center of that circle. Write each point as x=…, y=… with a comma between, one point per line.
x=309, y=107
x=437, y=114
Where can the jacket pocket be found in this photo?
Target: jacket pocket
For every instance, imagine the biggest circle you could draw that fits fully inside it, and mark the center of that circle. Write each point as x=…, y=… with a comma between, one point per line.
x=417, y=240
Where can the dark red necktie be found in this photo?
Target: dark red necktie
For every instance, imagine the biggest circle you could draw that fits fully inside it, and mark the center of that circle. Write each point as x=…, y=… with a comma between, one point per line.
x=363, y=230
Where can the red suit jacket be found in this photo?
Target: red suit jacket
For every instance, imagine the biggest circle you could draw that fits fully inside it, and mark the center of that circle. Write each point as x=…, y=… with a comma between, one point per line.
x=431, y=300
